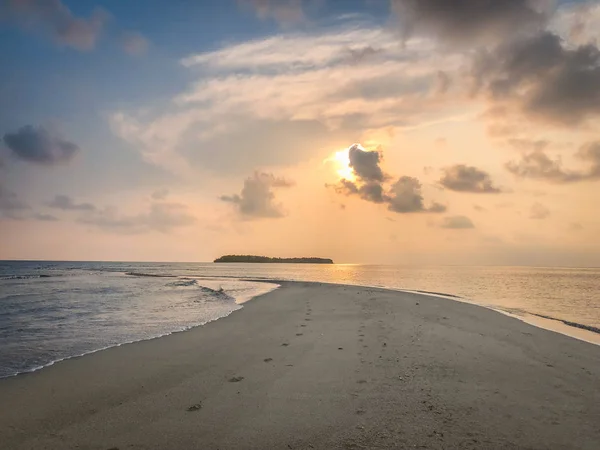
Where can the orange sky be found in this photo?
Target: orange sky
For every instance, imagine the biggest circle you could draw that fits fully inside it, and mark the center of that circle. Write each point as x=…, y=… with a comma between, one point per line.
x=484, y=153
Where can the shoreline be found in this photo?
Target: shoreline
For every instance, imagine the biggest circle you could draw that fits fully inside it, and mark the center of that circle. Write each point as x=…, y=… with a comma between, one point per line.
x=315, y=365
x=580, y=332
x=574, y=330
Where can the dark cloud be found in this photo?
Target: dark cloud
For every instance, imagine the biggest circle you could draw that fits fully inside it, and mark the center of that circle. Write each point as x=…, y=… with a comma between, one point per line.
x=134, y=43
x=544, y=77
x=462, y=178
x=457, y=223
x=365, y=164
x=539, y=211
x=66, y=203
x=470, y=21
x=372, y=192
x=437, y=208
x=10, y=205
x=403, y=196
x=162, y=216
x=257, y=199
x=55, y=19
x=40, y=146
x=45, y=217
x=539, y=166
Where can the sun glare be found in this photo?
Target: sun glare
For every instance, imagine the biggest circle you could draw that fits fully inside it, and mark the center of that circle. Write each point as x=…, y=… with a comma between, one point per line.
x=341, y=161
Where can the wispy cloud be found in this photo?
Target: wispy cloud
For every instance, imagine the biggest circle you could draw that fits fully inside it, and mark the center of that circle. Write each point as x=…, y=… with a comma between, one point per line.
x=308, y=83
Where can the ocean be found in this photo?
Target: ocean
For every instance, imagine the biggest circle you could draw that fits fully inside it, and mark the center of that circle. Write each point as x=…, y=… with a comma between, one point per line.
x=50, y=311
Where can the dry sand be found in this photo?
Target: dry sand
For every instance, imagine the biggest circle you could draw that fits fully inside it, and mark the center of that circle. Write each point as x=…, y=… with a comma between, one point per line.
x=316, y=366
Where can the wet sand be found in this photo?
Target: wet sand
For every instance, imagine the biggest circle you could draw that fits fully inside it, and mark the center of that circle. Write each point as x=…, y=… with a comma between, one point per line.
x=316, y=366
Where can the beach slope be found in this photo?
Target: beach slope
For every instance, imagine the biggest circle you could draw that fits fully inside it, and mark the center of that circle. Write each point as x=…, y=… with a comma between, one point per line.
x=316, y=366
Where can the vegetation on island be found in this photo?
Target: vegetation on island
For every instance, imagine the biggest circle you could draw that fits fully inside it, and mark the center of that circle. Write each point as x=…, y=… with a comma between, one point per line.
x=266, y=259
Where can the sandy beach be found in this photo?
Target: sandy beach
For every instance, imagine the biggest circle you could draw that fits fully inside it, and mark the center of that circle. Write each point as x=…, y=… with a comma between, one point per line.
x=317, y=366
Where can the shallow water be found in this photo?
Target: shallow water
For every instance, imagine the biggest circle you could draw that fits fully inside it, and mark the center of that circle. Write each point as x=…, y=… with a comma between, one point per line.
x=54, y=310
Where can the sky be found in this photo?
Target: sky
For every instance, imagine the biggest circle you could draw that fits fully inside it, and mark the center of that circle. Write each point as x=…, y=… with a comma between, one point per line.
x=368, y=131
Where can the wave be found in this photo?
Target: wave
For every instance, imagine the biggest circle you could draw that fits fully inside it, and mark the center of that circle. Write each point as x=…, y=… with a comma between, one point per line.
x=214, y=293
x=26, y=277
x=151, y=275
x=183, y=282
x=569, y=323
x=107, y=347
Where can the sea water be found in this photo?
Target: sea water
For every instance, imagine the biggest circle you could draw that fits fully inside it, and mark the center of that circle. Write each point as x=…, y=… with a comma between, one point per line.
x=50, y=311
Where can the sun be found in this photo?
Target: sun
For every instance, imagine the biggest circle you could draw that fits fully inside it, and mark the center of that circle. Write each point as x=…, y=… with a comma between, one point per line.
x=341, y=161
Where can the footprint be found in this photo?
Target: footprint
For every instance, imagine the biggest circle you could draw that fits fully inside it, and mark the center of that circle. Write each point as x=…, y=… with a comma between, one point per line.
x=285, y=344
x=195, y=407
x=236, y=379
x=340, y=348
x=302, y=325
x=298, y=334
x=308, y=320
x=360, y=340
x=268, y=359
x=361, y=381
x=360, y=412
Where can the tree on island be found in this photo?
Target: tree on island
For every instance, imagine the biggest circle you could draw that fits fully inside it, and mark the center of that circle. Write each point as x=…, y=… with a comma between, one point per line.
x=266, y=259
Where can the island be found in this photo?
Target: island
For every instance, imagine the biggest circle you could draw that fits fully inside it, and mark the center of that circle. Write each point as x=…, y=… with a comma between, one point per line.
x=266, y=259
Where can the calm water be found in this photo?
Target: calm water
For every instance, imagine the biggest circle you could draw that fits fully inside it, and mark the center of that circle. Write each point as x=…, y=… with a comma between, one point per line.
x=54, y=310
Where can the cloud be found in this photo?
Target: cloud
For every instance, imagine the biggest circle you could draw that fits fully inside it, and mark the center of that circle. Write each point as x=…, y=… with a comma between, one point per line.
x=462, y=178
x=443, y=83
x=543, y=77
x=403, y=196
x=371, y=191
x=529, y=144
x=257, y=199
x=134, y=43
x=10, y=205
x=539, y=211
x=539, y=166
x=282, y=11
x=468, y=21
x=457, y=223
x=575, y=226
x=163, y=217
x=40, y=146
x=365, y=164
x=45, y=217
x=55, y=19
x=66, y=203
x=287, y=98
x=160, y=194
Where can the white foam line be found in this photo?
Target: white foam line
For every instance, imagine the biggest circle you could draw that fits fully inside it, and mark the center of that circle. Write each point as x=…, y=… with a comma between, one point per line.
x=554, y=325
x=51, y=363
